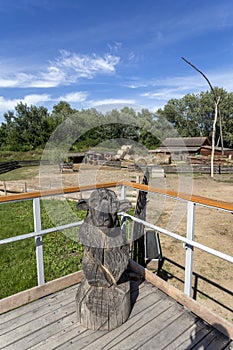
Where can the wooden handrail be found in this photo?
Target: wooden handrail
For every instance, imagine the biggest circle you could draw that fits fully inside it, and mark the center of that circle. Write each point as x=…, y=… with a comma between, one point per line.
x=187, y=197
x=192, y=198
x=59, y=191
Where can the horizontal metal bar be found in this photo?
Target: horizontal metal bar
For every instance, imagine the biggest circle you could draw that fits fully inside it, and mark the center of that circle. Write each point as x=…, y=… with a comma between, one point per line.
x=40, y=233
x=182, y=239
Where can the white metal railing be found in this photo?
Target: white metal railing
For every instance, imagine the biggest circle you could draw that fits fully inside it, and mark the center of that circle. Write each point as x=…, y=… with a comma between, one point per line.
x=189, y=241
x=38, y=234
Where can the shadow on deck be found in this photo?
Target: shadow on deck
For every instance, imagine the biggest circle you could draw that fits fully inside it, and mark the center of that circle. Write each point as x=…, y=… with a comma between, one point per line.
x=156, y=322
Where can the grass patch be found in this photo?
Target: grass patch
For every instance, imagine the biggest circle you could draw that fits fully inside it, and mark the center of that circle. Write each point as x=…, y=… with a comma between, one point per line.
x=226, y=180
x=20, y=174
x=6, y=156
x=62, y=255
x=202, y=296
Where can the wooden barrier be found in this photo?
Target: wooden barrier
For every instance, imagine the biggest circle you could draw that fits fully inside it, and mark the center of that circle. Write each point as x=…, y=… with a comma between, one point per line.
x=8, y=166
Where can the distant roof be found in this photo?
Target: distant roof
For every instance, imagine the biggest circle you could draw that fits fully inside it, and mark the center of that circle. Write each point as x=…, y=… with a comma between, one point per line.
x=171, y=142
x=183, y=149
x=217, y=148
x=75, y=154
x=100, y=152
x=183, y=145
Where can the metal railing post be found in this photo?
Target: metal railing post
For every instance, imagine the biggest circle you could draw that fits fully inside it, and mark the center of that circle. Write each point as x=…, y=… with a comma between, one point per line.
x=123, y=192
x=189, y=249
x=123, y=224
x=38, y=241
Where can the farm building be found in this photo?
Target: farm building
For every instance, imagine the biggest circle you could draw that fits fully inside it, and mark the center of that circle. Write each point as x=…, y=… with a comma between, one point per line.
x=76, y=157
x=206, y=151
x=180, y=148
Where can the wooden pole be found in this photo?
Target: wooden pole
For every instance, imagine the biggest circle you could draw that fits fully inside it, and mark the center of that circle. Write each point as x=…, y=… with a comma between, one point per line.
x=216, y=101
x=213, y=137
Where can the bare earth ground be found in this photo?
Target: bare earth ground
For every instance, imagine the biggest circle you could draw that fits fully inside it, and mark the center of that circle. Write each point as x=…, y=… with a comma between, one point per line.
x=213, y=277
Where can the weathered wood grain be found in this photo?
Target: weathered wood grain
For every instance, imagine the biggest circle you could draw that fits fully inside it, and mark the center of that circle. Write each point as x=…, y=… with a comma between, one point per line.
x=35, y=293
x=103, y=298
x=104, y=267
x=156, y=322
x=21, y=312
x=101, y=308
x=190, y=337
x=35, y=313
x=198, y=309
x=14, y=335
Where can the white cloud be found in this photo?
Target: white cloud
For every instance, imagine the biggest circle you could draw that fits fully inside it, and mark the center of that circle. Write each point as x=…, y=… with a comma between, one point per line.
x=159, y=91
x=84, y=66
x=7, y=104
x=78, y=96
x=109, y=104
x=163, y=94
x=64, y=70
x=112, y=101
x=41, y=99
x=10, y=104
x=35, y=99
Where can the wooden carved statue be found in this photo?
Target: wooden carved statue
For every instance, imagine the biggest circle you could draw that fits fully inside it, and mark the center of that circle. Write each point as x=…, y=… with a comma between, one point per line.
x=103, y=298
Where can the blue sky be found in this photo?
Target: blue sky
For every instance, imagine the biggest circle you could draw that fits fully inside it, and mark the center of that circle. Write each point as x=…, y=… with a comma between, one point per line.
x=108, y=54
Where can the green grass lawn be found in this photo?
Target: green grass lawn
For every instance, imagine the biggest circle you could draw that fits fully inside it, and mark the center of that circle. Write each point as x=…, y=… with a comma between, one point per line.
x=20, y=174
x=62, y=255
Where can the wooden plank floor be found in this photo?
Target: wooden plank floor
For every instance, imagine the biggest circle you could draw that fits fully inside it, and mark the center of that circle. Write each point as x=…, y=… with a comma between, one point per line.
x=156, y=322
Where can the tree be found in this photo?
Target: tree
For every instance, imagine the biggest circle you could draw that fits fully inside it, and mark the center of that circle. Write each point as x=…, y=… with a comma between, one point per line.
x=183, y=115
x=26, y=129
x=192, y=115
x=62, y=111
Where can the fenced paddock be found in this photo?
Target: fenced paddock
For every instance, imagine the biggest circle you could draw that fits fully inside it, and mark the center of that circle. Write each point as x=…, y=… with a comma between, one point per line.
x=202, y=314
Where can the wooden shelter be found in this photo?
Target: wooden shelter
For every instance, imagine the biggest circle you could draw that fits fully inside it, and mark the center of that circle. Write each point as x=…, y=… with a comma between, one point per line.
x=206, y=151
x=180, y=147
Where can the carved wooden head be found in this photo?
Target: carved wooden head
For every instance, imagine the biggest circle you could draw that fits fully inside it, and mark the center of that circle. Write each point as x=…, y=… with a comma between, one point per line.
x=103, y=206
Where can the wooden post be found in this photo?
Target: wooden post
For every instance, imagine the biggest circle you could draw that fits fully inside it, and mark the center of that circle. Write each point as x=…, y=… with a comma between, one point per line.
x=4, y=186
x=103, y=298
x=138, y=249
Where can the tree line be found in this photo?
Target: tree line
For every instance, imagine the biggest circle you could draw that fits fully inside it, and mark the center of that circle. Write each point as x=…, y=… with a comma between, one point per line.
x=30, y=127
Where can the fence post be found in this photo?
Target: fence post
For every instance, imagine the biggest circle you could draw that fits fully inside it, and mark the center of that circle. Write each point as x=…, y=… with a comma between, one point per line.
x=4, y=186
x=189, y=249
x=38, y=241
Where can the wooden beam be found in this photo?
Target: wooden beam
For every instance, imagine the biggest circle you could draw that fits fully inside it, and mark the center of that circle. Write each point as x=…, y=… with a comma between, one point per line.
x=35, y=293
x=198, y=309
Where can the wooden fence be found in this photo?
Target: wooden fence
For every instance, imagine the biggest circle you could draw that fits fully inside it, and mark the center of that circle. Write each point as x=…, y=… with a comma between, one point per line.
x=197, y=168
x=8, y=166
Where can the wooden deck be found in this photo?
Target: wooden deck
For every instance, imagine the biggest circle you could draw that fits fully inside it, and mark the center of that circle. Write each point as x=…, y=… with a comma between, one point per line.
x=156, y=322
